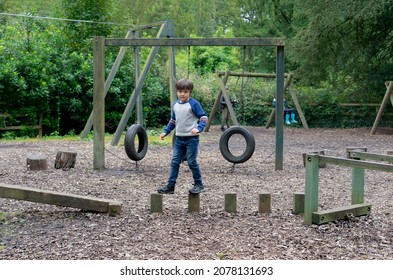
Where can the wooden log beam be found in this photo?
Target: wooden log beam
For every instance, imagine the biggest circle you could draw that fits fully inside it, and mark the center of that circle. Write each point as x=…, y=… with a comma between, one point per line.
x=61, y=199
x=151, y=42
x=356, y=163
x=250, y=74
x=371, y=156
x=340, y=213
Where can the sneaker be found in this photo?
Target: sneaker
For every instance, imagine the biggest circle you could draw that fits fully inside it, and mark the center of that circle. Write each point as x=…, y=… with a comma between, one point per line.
x=166, y=190
x=197, y=189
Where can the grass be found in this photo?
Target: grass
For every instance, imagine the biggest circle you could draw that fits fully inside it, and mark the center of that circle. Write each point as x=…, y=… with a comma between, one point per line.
x=152, y=134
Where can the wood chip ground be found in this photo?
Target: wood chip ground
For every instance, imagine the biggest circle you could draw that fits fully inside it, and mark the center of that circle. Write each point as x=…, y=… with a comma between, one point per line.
x=38, y=231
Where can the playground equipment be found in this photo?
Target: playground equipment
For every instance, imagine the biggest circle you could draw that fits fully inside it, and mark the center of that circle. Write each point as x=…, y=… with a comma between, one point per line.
x=223, y=76
x=165, y=38
x=60, y=199
x=225, y=149
x=295, y=100
x=136, y=152
x=230, y=203
x=388, y=95
x=359, y=160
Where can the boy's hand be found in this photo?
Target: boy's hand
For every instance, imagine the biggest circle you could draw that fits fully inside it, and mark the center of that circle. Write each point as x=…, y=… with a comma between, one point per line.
x=194, y=131
x=162, y=135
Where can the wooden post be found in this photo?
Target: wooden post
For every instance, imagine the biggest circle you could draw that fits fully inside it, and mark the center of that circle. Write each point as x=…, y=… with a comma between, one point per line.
x=321, y=153
x=388, y=95
x=217, y=101
x=156, y=203
x=193, y=202
x=312, y=181
x=273, y=113
x=279, y=121
x=298, y=203
x=271, y=118
x=138, y=86
x=298, y=108
x=99, y=102
x=230, y=202
x=37, y=162
x=108, y=83
x=264, y=203
x=357, y=194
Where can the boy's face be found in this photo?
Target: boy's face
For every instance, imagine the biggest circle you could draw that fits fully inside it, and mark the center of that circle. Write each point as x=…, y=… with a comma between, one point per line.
x=183, y=95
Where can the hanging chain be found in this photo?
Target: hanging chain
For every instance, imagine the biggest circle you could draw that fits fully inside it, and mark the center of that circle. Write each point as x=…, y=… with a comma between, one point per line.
x=188, y=61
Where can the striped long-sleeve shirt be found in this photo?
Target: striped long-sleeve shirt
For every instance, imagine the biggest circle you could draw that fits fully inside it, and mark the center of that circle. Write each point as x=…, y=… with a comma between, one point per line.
x=185, y=117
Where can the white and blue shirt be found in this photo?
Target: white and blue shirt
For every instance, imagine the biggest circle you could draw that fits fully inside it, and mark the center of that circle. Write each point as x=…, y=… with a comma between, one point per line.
x=185, y=117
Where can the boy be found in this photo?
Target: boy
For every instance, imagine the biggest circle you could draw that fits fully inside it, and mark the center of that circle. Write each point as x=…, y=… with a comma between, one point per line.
x=189, y=119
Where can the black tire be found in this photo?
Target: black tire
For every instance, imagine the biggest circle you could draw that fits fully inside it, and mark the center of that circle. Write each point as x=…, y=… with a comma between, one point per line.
x=129, y=142
x=224, y=147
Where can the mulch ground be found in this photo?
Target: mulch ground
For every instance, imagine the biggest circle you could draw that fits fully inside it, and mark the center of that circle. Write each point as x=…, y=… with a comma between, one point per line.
x=31, y=230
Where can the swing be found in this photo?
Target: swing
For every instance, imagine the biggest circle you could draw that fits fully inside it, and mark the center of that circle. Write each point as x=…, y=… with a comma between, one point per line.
x=237, y=130
x=188, y=61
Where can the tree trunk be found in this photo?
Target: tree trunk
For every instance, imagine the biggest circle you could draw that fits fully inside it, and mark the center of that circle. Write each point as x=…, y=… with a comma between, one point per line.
x=65, y=160
x=36, y=162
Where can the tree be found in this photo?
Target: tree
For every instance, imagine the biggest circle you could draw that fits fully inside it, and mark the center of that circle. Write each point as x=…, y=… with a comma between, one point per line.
x=344, y=39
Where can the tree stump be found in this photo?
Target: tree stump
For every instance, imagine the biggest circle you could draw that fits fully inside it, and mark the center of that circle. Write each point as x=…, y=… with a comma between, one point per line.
x=36, y=162
x=65, y=160
x=264, y=205
x=193, y=202
x=230, y=202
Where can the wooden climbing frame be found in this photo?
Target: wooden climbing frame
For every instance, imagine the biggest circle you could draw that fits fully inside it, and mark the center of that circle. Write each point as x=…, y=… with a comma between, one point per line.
x=359, y=160
x=388, y=95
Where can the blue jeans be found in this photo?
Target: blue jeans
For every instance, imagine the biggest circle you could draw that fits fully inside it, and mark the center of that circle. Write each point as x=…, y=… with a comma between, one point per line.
x=185, y=146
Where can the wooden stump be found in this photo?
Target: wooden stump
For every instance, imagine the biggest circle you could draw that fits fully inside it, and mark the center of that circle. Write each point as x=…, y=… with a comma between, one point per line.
x=156, y=203
x=264, y=203
x=298, y=203
x=193, y=202
x=65, y=160
x=230, y=202
x=36, y=162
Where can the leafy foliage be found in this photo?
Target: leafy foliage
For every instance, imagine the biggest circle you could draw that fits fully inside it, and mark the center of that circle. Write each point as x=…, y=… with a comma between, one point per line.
x=339, y=52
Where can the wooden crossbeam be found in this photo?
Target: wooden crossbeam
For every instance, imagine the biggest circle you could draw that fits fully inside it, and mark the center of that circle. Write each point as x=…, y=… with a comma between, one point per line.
x=370, y=156
x=195, y=42
x=340, y=213
x=61, y=199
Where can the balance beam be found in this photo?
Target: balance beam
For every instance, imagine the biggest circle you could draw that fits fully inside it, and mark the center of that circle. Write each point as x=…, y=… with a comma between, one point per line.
x=61, y=199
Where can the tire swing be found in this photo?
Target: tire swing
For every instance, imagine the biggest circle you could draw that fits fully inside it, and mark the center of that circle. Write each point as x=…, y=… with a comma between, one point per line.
x=224, y=144
x=133, y=152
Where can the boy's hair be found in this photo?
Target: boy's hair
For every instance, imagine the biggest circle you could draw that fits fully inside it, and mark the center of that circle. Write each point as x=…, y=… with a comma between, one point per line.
x=183, y=84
